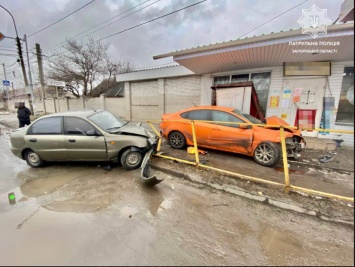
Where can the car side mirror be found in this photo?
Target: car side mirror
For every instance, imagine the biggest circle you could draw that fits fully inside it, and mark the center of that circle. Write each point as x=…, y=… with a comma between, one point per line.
x=93, y=133
x=244, y=126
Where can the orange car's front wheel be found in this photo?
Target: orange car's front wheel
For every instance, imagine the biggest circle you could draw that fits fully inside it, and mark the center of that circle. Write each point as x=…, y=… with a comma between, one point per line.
x=267, y=154
x=177, y=140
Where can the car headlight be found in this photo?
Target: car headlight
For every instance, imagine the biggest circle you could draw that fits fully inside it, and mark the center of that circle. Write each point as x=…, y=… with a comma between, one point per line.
x=152, y=140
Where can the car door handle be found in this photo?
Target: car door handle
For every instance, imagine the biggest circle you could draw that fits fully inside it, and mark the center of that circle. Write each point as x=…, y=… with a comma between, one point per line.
x=71, y=140
x=32, y=140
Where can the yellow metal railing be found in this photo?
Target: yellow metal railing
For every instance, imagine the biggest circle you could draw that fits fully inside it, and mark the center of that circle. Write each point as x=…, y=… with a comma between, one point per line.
x=287, y=186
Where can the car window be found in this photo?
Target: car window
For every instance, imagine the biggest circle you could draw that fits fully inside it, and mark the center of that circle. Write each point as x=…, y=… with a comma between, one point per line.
x=184, y=115
x=201, y=115
x=220, y=116
x=106, y=120
x=51, y=125
x=247, y=117
x=76, y=126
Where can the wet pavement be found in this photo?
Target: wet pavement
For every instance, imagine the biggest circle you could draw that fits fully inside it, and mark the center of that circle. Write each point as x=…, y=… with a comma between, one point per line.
x=80, y=214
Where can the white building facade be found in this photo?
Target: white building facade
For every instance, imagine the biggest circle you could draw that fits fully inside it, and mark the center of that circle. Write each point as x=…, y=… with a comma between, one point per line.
x=291, y=72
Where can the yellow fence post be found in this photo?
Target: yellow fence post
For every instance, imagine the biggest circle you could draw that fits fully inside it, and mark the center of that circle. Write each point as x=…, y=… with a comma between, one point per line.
x=284, y=159
x=195, y=143
x=158, y=134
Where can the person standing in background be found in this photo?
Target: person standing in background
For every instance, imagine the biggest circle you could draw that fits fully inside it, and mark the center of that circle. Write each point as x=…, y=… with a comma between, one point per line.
x=23, y=115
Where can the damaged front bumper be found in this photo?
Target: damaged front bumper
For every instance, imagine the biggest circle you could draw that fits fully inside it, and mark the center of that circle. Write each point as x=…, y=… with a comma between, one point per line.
x=294, y=147
x=147, y=177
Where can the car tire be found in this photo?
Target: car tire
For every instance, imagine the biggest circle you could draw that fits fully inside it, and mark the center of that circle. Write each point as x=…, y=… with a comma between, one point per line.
x=131, y=160
x=177, y=140
x=267, y=154
x=33, y=159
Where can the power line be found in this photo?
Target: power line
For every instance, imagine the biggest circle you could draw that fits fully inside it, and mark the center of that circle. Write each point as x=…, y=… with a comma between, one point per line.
x=11, y=64
x=120, y=19
x=11, y=50
x=60, y=19
x=9, y=55
x=114, y=17
x=61, y=44
x=273, y=18
x=147, y=22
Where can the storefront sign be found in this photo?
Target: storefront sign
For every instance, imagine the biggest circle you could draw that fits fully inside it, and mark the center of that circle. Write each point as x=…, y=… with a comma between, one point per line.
x=297, y=95
x=287, y=93
x=285, y=103
x=274, y=101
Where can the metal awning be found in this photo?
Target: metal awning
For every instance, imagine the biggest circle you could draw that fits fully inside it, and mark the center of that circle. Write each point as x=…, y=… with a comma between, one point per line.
x=268, y=50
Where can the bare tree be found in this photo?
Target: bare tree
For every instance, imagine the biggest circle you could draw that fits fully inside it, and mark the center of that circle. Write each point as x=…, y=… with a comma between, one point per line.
x=82, y=65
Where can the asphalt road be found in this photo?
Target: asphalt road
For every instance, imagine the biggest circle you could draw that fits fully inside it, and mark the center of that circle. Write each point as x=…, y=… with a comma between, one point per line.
x=81, y=214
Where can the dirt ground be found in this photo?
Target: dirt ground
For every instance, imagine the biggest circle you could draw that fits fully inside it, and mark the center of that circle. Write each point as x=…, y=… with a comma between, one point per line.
x=78, y=214
x=334, y=177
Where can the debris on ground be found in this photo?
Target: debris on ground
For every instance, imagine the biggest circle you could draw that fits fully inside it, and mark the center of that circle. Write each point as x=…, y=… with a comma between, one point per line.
x=325, y=158
x=105, y=167
x=191, y=150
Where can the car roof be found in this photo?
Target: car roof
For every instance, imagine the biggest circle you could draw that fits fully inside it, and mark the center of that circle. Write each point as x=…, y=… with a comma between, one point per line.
x=78, y=113
x=223, y=108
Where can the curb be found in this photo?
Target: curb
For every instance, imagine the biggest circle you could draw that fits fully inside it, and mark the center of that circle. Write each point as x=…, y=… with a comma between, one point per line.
x=234, y=190
x=320, y=167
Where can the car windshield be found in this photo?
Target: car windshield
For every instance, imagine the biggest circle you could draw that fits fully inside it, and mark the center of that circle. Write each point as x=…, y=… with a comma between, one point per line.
x=247, y=117
x=107, y=121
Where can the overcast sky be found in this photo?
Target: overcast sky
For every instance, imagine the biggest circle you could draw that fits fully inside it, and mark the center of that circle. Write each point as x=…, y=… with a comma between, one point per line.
x=208, y=22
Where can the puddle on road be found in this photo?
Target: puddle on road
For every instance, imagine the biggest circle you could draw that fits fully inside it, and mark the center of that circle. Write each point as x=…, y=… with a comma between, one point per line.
x=81, y=204
x=155, y=200
x=280, y=247
x=45, y=185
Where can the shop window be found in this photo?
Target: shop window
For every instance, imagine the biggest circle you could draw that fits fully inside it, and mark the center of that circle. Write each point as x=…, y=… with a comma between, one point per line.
x=261, y=83
x=345, y=112
x=240, y=78
x=221, y=80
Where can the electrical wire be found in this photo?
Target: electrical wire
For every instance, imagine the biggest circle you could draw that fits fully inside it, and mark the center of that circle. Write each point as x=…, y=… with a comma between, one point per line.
x=9, y=55
x=112, y=18
x=61, y=19
x=11, y=64
x=147, y=22
x=273, y=19
x=61, y=44
x=119, y=19
x=11, y=50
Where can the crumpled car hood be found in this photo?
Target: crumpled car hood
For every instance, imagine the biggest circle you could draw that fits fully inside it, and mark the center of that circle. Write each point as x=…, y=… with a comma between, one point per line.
x=134, y=129
x=274, y=120
x=277, y=121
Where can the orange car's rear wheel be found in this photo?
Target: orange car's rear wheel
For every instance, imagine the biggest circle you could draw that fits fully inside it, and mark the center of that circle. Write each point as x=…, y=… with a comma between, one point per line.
x=177, y=140
x=267, y=154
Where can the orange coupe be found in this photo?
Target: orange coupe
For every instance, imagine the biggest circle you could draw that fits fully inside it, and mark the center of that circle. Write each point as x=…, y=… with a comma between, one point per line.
x=214, y=130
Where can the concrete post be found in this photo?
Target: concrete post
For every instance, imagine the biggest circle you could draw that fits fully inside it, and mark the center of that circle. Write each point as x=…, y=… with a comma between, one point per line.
x=102, y=101
x=161, y=95
x=67, y=98
x=55, y=106
x=128, y=102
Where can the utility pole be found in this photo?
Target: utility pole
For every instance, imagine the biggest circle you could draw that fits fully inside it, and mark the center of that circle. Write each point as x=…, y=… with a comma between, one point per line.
x=41, y=78
x=31, y=95
x=19, y=47
x=13, y=90
x=6, y=94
